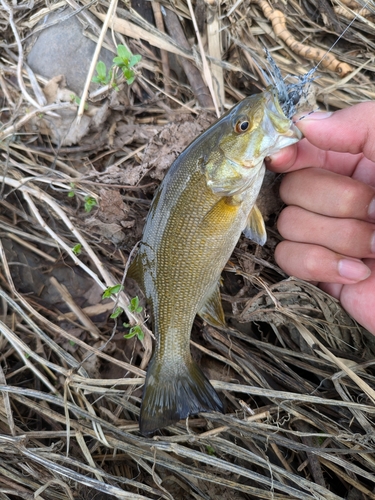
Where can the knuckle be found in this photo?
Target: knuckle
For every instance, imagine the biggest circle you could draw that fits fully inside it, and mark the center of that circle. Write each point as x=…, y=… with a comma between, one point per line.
x=312, y=261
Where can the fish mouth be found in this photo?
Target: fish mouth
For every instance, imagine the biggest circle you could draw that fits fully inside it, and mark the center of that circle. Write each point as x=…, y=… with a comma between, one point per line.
x=276, y=127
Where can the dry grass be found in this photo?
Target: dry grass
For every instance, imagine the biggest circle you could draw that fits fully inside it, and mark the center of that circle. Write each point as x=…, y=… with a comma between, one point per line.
x=296, y=372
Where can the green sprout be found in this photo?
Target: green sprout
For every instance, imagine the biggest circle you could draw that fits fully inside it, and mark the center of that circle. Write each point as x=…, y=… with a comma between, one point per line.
x=72, y=192
x=210, y=450
x=125, y=60
x=134, y=331
x=134, y=306
x=116, y=313
x=77, y=100
x=102, y=77
x=90, y=203
x=77, y=249
x=111, y=290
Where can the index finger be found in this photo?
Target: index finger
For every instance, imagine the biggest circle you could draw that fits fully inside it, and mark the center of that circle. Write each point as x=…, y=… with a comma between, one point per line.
x=342, y=142
x=304, y=154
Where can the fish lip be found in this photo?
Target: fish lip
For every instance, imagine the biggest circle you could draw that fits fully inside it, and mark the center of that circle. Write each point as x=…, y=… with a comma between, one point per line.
x=295, y=132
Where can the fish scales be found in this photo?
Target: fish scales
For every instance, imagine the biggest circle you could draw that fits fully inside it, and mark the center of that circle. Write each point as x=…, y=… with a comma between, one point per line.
x=205, y=201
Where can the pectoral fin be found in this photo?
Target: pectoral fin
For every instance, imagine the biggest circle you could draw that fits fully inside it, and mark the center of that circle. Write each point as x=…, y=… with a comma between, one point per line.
x=255, y=229
x=212, y=310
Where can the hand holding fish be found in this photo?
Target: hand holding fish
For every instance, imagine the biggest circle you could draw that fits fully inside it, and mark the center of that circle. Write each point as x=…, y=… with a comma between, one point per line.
x=329, y=223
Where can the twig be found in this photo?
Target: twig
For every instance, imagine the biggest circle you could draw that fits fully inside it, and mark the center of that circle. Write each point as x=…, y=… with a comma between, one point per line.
x=164, y=54
x=206, y=69
x=85, y=320
x=21, y=83
x=192, y=73
x=13, y=128
x=111, y=9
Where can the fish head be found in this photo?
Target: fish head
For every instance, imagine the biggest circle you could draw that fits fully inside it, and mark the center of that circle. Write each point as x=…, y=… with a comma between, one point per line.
x=255, y=128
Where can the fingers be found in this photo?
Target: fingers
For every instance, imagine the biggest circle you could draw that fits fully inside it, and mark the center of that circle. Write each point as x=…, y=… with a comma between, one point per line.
x=359, y=299
x=350, y=237
x=330, y=194
x=343, y=142
x=304, y=154
x=315, y=263
x=348, y=130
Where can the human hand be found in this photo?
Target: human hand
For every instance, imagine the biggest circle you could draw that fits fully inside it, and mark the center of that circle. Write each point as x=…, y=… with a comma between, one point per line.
x=329, y=223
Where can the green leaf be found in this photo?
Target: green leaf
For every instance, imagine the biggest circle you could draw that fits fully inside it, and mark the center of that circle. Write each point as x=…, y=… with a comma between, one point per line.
x=130, y=79
x=72, y=193
x=135, y=331
x=101, y=69
x=124, y=53
x=130, y=335
x=77, y=249
x=77, y=100
x=71, y=342
x=134, y=60
x=117, y=312
x=119, y=62
x=90, y=203
x=134, y=306
x=139, y=332
x=210, y=450
x=134, y=303
x=111, y=290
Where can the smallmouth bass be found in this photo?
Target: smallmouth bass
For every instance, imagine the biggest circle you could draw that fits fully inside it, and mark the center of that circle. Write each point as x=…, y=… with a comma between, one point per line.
x=205, y=201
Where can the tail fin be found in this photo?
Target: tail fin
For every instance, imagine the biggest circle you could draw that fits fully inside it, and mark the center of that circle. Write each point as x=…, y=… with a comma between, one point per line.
x=171, y=394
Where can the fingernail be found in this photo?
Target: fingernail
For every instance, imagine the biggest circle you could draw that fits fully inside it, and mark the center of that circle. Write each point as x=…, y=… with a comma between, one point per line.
x=353, y=269
x=318, y=115
x=371, y=210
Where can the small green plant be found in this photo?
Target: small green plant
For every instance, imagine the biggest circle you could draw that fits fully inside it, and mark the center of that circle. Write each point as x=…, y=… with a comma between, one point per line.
x=72, y=343
x=77, y=249
x=77, y=100
x=134, y=306
x=124, y=60
x=72, y=191
x=111, y=290
x=116, y=313
x=90, y=203
x=210, y=450
x=135, y=331
x=102, y=77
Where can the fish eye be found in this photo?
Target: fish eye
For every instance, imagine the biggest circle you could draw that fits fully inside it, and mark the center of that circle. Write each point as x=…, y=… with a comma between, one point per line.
x=241, y=126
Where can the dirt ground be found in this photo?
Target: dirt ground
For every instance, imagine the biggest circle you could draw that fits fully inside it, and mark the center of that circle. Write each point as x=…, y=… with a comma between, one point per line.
x=79, y=170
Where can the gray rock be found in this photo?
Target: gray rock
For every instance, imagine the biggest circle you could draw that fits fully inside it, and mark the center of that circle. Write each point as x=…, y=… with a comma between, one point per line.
x=63, y=49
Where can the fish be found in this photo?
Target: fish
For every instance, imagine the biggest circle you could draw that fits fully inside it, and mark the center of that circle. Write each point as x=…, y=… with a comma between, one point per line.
x=206, y=200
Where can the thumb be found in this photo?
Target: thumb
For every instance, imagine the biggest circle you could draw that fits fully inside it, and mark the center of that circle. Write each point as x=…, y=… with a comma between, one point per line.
x=349, y=130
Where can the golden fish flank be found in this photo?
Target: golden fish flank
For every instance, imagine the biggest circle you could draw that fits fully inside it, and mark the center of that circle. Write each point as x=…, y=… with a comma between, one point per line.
x=198, y=213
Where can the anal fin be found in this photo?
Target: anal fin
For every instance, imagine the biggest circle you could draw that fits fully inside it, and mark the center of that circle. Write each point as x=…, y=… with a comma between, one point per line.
x=135, y=271
x=212, y=310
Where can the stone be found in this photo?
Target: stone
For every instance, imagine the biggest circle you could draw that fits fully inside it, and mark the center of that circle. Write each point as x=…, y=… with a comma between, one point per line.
x=63, y=49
